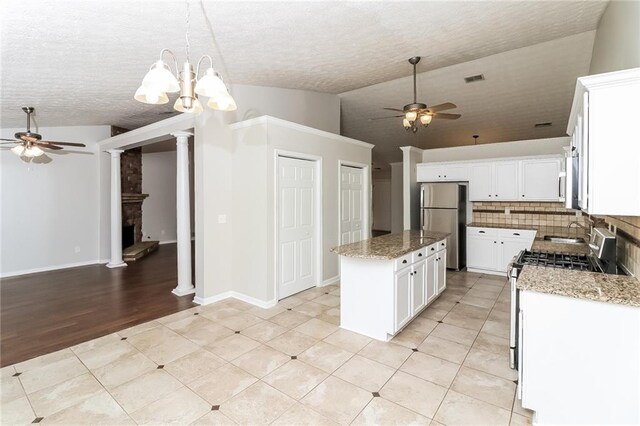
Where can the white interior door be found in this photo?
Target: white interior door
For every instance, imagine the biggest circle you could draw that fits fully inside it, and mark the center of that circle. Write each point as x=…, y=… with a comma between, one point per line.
x=351, y=204
x=296, y=225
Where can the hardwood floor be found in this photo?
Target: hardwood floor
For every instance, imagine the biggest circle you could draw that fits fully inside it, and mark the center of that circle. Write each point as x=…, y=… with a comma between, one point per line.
x=45, y=312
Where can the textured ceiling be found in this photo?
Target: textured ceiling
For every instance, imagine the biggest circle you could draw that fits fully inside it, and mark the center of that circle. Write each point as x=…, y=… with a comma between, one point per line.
x=522, y=87
x=79, y=62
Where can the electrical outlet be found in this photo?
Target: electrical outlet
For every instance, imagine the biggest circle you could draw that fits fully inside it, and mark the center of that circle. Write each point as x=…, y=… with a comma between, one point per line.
x=578, y=213
x=222, y=218
x=507, y=211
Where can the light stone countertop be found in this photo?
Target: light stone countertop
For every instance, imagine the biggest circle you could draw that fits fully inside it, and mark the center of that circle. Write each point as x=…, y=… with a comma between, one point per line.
x=608, y=288
x=390, y=246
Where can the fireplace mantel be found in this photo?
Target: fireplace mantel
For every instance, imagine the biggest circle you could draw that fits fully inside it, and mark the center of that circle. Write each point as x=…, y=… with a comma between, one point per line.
x=128, y=198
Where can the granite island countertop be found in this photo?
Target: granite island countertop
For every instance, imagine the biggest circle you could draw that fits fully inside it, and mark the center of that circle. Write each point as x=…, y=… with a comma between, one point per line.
x=390, y=246
x=608, y=288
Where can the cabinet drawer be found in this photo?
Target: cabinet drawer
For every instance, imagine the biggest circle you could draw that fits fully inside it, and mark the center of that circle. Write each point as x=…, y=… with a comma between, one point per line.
x=419, y=255
x=525, y=234
x=431, y=249
x=482, y=232
x=404, y=261
x=442, y=244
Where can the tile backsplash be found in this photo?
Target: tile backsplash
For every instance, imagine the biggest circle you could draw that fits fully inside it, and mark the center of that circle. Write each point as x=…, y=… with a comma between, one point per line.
x=544, y=215
x=531, y=215
x=627, y=230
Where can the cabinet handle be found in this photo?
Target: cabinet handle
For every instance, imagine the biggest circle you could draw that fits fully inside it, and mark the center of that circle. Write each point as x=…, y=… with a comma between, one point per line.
x=496, y=195
x=432, y=249
x=523, y=195
x=489, y=195
x=494, y=242
x=419, y=254
x=501, y=242
x=516, y=233
x=404, y=261
x=559, y=182
x=481, y=232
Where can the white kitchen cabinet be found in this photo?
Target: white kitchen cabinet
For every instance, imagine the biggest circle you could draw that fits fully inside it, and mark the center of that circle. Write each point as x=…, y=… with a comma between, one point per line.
x=402, y=298
x=418, y=287
x=603, y=126
x=441, y=271
x=379, y=297
x=481, y=182
x=577, y=364
x=491, y=250
x=442, y=172
x=505, y=180
x=540, y=180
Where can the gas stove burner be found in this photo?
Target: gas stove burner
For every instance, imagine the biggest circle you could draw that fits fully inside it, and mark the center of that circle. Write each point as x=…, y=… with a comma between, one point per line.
x=557, y=260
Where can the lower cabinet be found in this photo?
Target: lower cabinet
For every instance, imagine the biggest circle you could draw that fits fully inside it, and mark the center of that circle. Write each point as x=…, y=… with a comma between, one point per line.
x=492, y=249
x=416, y=286
x=402, y=298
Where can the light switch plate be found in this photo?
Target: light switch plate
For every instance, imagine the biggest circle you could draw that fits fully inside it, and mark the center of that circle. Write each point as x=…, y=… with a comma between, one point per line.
x=222, y=218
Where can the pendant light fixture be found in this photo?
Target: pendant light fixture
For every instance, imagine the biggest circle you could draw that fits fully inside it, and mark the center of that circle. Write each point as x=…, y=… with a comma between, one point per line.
x=160, y=80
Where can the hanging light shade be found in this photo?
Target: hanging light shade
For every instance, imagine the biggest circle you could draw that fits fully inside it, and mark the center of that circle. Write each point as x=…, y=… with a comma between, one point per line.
x=223, y=102
x=425, y=119
x=149, y=96
x=411, y=116
x=160, y=79
x=406, y=123
x=18, y=150
x=32, y=151
x=210, y=85
x=196, y=106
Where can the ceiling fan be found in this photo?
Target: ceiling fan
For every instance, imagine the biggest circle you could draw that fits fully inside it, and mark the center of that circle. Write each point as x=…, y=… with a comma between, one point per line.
x=29, y=143
x=418, y=111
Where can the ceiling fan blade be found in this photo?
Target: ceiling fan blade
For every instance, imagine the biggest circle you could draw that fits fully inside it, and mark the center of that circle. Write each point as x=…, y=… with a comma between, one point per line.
x=442, y=107
x=446, y=115
x=64, y=143
x=384, y=118
x=48, y=145
x=9, y=140
x=393, y=109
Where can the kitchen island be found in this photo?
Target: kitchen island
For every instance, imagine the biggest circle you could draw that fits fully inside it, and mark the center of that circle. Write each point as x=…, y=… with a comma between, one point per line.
x=386, y=281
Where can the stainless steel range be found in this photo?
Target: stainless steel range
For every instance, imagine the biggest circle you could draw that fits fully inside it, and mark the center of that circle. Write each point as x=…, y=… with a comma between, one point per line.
x=602, y=245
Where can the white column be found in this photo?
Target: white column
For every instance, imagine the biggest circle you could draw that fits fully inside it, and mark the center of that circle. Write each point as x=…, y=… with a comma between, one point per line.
x=183, y=215
x=116, y=211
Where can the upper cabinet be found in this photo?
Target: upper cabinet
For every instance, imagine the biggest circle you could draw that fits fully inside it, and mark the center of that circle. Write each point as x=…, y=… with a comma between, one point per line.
x=606, y=143
x=540, y=180
x=514, y=179
x=442, y=172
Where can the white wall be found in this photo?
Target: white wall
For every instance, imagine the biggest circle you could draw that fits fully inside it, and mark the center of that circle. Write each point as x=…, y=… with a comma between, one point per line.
x=617, y=43
x=159, y=209
x=382, y=204
x=253, y=242
x=51, y=213
x=396, y=197
x=496, y=150
x=318, y=110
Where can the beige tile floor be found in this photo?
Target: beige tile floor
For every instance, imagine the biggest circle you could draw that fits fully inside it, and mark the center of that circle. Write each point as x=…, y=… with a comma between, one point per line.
x=232, y=363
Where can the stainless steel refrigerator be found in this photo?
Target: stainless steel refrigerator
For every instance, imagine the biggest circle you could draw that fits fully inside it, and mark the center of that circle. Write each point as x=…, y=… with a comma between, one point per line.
x=443, y=208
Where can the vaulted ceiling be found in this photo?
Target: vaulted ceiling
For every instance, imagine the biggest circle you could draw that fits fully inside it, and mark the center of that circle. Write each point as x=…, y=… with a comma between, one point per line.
x=78, y=62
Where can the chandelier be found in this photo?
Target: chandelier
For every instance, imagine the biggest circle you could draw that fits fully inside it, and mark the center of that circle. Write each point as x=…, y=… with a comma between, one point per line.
x=160, y=80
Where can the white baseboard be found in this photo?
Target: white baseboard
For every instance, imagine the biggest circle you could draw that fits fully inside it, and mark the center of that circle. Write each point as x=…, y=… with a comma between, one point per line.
x=486, y=271
x=330, y=281
x=235, y=295
x=51, y=268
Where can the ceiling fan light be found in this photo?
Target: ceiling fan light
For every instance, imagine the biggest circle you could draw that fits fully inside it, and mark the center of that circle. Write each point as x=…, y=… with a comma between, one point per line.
x=425, y=119
x=160, y=79
x=406, y=123
x=223, y=102
x=195, y=108
x=148, y=96
x=411, y=116
x=32, y=151
x=210, y=85
x=18, y=150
